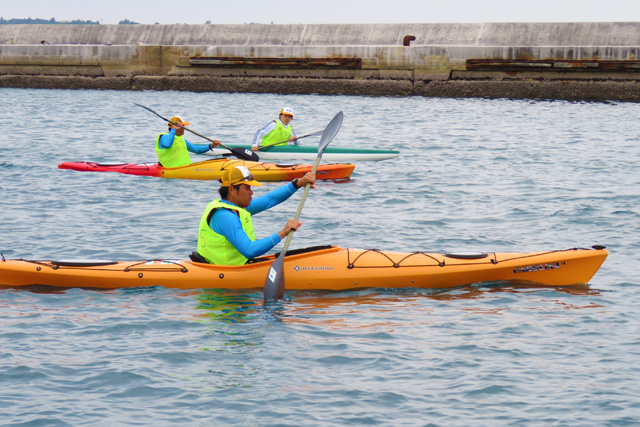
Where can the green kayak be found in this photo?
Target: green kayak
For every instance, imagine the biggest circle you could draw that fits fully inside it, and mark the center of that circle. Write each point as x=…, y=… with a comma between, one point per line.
x=310, y=152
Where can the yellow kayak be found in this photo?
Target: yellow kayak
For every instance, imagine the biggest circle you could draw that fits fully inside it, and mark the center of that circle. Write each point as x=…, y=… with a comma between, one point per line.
x=328, y=267
x=212, y=169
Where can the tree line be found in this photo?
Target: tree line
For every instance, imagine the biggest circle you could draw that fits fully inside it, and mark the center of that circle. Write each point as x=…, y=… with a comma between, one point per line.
x=53, y=21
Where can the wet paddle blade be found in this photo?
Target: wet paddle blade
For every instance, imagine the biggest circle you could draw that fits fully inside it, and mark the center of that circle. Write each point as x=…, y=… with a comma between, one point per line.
x=274, y=279
x=243, y=153
x=330, y=132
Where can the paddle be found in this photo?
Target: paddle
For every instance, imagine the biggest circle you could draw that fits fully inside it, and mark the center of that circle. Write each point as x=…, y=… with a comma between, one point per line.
x=241, y=153
x=274, y=285
x=300, y=137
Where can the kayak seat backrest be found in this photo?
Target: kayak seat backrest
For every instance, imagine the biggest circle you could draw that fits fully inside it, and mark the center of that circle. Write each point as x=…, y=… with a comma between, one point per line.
x=196, y=257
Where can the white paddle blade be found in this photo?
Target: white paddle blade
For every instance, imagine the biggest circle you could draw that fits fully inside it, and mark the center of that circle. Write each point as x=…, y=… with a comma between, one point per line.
x=275, y=276
x=330, y=132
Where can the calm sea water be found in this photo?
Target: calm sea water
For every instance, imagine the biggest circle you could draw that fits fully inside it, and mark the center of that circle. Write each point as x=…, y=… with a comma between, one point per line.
x=480, y=175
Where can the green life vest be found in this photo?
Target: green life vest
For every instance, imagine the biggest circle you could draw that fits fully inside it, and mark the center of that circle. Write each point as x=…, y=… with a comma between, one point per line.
x=279, y=136
x=214, y=247
x=174, y=156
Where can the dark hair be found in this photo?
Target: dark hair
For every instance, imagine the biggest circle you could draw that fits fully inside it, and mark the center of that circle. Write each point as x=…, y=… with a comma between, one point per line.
x=224, y=191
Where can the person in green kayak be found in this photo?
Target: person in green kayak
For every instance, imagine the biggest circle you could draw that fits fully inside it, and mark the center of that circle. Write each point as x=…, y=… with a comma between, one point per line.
x=226, y=235
x=172, y=147
x=276, y=132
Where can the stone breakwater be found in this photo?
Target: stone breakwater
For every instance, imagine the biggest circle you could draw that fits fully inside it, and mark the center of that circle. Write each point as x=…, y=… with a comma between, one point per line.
x=579, y=61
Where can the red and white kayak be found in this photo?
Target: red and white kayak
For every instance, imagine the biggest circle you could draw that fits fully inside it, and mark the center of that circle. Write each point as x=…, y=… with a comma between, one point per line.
x=212, y=169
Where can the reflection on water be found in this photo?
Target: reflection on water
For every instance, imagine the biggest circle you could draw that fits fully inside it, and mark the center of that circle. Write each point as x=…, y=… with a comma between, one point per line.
x=227, y=306
x=334, y=307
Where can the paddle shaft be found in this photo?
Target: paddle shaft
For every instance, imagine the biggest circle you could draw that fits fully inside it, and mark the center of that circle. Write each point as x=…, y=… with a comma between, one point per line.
x=183, y=127
x=301, y=204
x=274, y=285
x=245, y=155
x=300, y=137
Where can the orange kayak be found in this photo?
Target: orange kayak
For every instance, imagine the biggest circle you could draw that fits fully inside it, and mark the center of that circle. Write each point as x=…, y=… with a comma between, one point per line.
x=212, y=169
x=328, y=267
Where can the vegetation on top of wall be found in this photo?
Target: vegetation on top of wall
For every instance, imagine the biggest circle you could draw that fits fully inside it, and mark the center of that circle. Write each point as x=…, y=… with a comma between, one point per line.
x=15, y=21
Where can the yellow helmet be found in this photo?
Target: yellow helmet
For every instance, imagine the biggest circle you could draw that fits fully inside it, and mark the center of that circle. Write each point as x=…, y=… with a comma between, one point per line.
x=178, y=119
x=237, y=175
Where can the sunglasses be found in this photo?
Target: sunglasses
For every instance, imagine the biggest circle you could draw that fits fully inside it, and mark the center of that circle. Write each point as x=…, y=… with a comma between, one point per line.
x=243, y=179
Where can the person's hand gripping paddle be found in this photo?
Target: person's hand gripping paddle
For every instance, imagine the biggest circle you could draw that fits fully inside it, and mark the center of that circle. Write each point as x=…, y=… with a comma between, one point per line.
x=274, y=285
x=320, y=132
x=240, y=153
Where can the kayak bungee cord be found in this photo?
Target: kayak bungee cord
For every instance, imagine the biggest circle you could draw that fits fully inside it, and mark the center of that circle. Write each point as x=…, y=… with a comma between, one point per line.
x=493, y=258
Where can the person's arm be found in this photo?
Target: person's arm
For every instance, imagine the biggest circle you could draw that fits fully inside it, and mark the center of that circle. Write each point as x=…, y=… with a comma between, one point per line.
x=280, y=194
x=227, y=223
x=257, y=139
x=272, y=198
x=200, y=148
x=294, y=137
x=166, y=140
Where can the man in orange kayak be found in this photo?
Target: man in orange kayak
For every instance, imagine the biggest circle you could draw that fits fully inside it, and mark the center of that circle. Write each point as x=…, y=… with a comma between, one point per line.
x=226, y=235
x=172, y=147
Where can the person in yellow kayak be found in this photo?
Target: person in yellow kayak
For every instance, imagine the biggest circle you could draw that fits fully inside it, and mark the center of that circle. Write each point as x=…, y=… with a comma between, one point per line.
x=172, y=147
x=276, y=132
x=226, y=235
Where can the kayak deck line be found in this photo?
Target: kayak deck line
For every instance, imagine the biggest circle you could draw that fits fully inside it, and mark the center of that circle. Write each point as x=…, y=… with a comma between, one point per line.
x=164, y=266
x=167, y=264
x=328, y=267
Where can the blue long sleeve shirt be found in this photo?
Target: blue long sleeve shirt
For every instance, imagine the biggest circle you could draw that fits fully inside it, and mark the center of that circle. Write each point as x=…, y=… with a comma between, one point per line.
x=227, y=223
x=166, y=141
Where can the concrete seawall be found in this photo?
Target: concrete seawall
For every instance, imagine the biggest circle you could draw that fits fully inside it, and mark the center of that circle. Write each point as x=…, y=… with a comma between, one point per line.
x=585, y=61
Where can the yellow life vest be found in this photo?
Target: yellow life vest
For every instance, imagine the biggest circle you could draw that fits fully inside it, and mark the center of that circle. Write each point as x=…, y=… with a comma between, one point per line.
x=279, y=136
x=216, y=248
x=174, y=156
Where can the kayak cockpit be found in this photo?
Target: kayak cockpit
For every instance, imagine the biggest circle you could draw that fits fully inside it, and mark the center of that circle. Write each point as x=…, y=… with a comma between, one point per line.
x=197, y=258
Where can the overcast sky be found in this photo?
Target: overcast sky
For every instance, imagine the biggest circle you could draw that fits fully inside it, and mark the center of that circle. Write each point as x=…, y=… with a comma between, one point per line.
x=323, y=11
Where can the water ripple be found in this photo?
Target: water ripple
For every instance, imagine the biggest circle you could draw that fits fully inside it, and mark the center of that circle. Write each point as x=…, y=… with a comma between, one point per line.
x=474, y=174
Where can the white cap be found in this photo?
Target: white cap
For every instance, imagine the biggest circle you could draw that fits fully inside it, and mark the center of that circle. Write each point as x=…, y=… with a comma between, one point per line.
x=287, y=110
